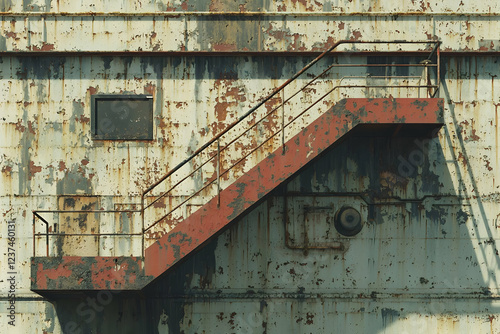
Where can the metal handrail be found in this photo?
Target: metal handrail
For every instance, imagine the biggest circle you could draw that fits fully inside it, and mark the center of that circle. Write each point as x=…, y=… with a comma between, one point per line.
x=220, y=172
x=233, y=140
x=218, y=137
x=47, y=234
x=277, y=90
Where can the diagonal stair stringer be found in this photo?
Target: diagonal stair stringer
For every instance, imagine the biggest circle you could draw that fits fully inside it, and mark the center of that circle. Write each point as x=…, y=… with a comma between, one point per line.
x=304, y=147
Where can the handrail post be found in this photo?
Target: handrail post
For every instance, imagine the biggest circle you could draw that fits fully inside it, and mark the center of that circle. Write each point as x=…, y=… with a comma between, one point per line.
x=34, y=219
x=218, y=173
x=283, y=122
x=428, y=79
x=143, y=231
x=99, y=240
x=438, y=74
x=47, y=238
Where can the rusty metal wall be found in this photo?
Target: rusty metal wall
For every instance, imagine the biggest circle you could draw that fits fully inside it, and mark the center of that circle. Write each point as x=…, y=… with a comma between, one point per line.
x=242, y=33
x=426, y=260
x=246, y=26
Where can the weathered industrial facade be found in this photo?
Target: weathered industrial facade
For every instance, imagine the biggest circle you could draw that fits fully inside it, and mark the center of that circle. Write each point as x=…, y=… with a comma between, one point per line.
x=425, y=259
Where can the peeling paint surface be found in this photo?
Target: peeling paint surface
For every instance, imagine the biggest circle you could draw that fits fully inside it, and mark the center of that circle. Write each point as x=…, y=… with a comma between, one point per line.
x=238, y=198
x=215, y=26
x=426, y=258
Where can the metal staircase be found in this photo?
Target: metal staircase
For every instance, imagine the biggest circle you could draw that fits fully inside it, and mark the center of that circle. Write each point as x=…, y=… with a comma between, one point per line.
x=232, y=173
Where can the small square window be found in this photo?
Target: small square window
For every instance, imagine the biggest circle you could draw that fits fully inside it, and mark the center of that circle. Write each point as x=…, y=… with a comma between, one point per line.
x=122, y=117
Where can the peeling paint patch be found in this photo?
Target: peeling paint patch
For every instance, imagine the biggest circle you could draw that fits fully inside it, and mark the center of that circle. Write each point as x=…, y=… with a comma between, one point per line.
x=62, y=166
x=44, y=47
x=6, y=169
x=221, y=47
x=33, y=169
x=356, y=35
x=20, y=127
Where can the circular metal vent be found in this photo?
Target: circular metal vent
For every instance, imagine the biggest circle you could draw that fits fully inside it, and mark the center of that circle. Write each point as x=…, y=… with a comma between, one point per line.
x=348, y=221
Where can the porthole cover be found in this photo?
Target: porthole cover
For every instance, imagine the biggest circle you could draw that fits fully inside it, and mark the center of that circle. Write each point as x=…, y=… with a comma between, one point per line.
x=348, y=221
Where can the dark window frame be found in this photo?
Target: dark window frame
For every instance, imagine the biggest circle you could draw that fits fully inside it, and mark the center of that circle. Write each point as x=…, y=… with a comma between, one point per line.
x=98, y=134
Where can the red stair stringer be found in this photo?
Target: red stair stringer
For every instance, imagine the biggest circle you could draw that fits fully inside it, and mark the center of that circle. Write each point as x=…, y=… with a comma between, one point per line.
x=59, y=274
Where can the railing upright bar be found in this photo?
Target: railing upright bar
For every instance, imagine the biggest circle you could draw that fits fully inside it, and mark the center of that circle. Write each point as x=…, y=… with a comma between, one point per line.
x=438, y=75
x=34, y=220
x=35, y=213
x=142, y=222
x=99, y=241
x=283, y=123
x=47, y=238
x=427, y=80
x=218, y=173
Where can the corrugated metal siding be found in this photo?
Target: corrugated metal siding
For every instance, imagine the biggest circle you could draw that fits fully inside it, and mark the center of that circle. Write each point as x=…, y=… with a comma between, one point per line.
x=46, y=25
x=423, y=264
x=227, y=33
